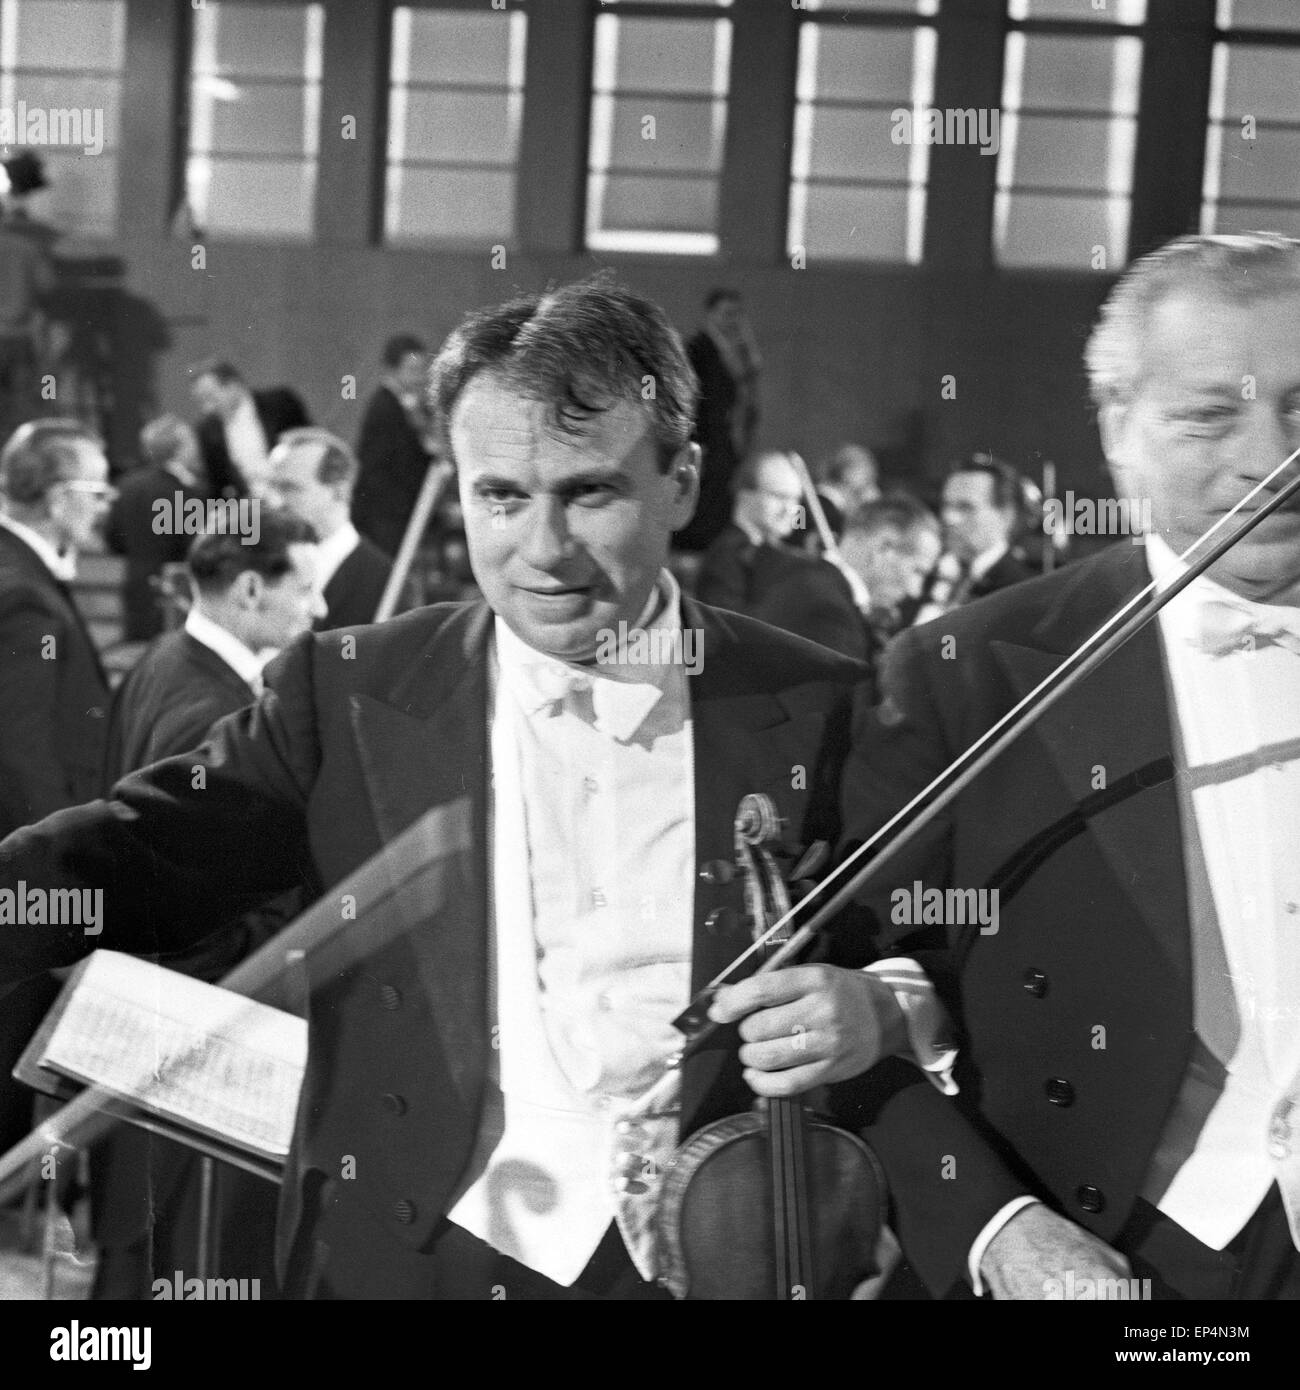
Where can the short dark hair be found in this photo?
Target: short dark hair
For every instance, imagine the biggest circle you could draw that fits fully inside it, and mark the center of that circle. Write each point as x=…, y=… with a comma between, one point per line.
x=217, y=558
x=1008, y=485
x=720, y=294
x=898, y=511
x=38, y=455
x=225, y=372
x=580, y=349
x=338, y=464
x=402, y=345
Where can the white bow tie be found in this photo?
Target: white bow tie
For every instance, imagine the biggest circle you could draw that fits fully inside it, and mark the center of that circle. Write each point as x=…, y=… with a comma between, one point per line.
x=618, y=708
x=1223, y=628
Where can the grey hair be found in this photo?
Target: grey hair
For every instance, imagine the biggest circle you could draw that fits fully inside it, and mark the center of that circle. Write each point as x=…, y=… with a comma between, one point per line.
x=1244, y=267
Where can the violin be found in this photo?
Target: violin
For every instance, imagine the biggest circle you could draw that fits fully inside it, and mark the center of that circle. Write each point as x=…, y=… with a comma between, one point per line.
x=777, y=1202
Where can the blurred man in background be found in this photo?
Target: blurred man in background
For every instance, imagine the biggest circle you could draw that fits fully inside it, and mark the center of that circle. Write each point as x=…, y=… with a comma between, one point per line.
x=394, y=445
x=171, y=464
x=238, y=428
x=893, y=544
x=249, y=601
x=846, y=480
x=54, y=492
x=312, y=473
x=726, y=360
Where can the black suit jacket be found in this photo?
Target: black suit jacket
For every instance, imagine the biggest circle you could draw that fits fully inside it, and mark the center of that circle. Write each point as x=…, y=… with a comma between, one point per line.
x=355, y=588
x=800, y=593
x=1079, y=826
x=173, y=695
x=394, y=462
x=53, y=694
x=130, y=532
x=1010, y=569
x=278, y=408
x=335, y=761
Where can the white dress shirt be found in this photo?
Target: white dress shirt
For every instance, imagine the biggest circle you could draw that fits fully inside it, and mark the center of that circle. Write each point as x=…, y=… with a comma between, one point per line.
x=247, y=444
x=593, y=849
x=245, y=663
x=333, y=550
x=985, y=561
x=62, y=567
x=1237, y=713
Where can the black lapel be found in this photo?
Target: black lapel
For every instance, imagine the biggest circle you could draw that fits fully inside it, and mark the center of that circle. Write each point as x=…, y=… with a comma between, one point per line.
x=1117, y=720
x=424, y=749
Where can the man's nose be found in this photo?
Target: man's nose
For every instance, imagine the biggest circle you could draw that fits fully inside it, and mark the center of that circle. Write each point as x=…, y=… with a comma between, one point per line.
x=1267, y=442
x=547, y=539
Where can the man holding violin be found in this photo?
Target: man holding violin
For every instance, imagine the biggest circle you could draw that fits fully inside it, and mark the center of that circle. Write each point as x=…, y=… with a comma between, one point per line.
x=467, y=1125
x=1129, y=1071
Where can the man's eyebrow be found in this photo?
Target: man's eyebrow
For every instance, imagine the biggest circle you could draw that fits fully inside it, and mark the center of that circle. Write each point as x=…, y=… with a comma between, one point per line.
x=496, y=482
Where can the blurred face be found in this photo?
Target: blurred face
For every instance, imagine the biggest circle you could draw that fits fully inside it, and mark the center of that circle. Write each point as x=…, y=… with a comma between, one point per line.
x=292, y=484
x=411, y=373
x=727, y=317
x=972, y=523
x=289, y=605
x=79, y=503
x=1193, y=444
x=773, y=504
x=893, y=562
x=187, y=451
x=567, y=533
x=212, y=398
x=860, y=482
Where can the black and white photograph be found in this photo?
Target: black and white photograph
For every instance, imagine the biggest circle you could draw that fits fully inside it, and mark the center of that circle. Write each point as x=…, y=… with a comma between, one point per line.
x=649, y=651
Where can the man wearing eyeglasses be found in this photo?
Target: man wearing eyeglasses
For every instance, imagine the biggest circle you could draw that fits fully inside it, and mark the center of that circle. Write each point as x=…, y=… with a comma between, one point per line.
x=54, y=494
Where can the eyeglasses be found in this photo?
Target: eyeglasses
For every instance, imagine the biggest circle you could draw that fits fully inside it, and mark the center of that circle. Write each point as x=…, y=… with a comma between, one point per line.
x=105, y=491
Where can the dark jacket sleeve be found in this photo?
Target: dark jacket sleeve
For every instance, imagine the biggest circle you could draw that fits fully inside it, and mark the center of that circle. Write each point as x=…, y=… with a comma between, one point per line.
x=33, y=640
x=946, y=1178
x=184, y=847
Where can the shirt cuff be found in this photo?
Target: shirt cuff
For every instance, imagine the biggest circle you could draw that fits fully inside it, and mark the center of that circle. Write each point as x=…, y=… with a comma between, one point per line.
x=929, y=1029
x=985, y=1239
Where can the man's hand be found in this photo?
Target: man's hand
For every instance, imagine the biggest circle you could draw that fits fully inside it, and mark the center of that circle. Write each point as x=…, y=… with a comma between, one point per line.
x=1036, y=1247
x=810, y=1025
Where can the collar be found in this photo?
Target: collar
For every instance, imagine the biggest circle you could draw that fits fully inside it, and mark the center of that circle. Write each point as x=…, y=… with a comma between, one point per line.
x=1179, y=618
x=750, y=531
x=62, y=567
x=984, y=562
x=624, y=686
x=333, y=550
x=246, y=664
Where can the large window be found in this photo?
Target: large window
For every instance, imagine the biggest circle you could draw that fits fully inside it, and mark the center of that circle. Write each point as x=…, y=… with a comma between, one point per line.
x=60, y=81
x=658, y=124
x=1069, y=134
x=858, y=167
x=255, y=103
x=1252, y=153
x=456, y=101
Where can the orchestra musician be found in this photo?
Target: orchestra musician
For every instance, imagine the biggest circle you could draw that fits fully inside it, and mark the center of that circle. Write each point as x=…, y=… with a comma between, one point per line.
x=1129, y=1069
x=472, y=1063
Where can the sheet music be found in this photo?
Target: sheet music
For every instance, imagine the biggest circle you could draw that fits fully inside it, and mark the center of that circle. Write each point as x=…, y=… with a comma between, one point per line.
x=187, y=1050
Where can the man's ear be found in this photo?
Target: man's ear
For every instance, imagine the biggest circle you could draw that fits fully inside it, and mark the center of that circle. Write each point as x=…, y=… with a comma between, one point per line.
x=248, y=589
x=685, y=473
x=1112, y=424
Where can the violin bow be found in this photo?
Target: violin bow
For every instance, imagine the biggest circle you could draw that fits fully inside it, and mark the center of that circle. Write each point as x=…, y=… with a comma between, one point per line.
x=933, y=799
